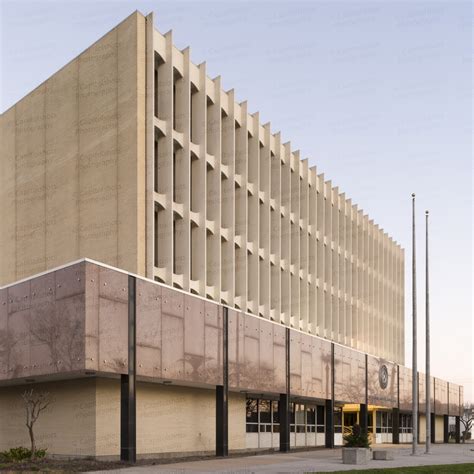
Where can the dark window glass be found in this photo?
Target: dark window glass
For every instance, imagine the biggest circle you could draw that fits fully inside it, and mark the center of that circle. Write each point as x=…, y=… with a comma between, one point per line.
x=320, y=413
x=252, y=428
x=264, y=409
x=300, y=428
x=378, y=420
x=292, y=413
x=292, y=428
x=370, y=420
x=299, y=414
x=276, y=414
x=310, y=415
x=252, y=410
x=320, y=429
x=276, y=428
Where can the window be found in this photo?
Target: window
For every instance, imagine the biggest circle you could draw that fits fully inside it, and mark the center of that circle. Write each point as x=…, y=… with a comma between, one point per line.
x=177, y=100
x=262, y=416
x=193, y=112
x=320, y=418
x=378, y=422
x=275, y=417
x=292, y=417
x=156, y=83
x=383, y=422
x=156, y=166
x=310, y=419
x=300, y=420
x=337, y=419
x=265, y=416
x=405, y=423
x=156, y=92
x=252, y=415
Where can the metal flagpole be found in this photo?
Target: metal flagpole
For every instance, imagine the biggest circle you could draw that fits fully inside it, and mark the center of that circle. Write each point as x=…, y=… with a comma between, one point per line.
x=428, y=385
x=414, y=349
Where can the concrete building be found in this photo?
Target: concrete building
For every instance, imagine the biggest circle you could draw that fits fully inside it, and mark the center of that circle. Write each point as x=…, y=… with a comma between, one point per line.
x=151, y=227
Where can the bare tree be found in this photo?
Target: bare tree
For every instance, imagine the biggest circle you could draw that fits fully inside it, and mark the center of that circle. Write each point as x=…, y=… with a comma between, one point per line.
x=467, y=420
x=35, y=403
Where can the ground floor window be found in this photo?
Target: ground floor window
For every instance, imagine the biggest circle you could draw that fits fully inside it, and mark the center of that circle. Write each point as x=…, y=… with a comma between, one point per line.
x=405, y=423
x=262, y=416
x=337, y=419
x=252, y=415
x=370, y=422
x=383, y=422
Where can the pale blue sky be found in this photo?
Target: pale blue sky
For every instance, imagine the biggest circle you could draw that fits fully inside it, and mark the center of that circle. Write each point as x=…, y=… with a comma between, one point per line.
x=377, y=94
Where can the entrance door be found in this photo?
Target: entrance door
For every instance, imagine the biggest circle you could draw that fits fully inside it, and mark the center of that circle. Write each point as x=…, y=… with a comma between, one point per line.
x=350, y=419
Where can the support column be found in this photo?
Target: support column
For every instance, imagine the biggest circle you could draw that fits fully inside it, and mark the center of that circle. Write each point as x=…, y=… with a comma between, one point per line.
x=284, y=414
x=363, y=417
x=458, y=429
x=396, y=413
x=445, y=428
x=222, y=394
x=433, y=428
x=329, y=412
x=284, y=404
x=128, y=407
x=396, y=426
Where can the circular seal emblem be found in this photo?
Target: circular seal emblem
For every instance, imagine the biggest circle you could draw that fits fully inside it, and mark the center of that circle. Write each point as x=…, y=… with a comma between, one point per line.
x=383, y=376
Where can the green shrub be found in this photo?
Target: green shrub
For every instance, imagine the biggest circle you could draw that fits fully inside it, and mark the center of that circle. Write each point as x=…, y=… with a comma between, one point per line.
x=357, y=439
x=40, y=453
x=20, y=454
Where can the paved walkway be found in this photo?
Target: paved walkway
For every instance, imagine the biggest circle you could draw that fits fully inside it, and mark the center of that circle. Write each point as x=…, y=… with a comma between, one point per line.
x=313, y=461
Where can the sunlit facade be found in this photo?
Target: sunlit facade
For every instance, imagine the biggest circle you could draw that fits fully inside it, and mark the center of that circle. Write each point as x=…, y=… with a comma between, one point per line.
x=154, y=231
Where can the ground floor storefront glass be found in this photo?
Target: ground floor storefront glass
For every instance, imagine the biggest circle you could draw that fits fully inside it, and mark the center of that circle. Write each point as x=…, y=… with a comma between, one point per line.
x=263, y=424
x=406, y=427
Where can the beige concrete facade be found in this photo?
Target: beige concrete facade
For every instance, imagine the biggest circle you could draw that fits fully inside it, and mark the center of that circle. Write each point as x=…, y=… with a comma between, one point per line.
x=239, y=218
x=84, y=419
x=67, y=426
x=73, y=162
x=173, y=419
x=133, y=156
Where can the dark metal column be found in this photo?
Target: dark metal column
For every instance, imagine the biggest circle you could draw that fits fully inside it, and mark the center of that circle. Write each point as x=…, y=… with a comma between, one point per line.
x=396, y=426
x=222, y=394
x=364, y=415
x=458, y=429
x=329, y=412
x=128, y=406
x=445, y=428
x=284, y=404
x=433, y=428
x=396, y=413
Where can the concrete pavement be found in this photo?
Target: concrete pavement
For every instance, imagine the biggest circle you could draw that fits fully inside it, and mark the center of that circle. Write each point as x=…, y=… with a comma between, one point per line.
x=312, y=461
